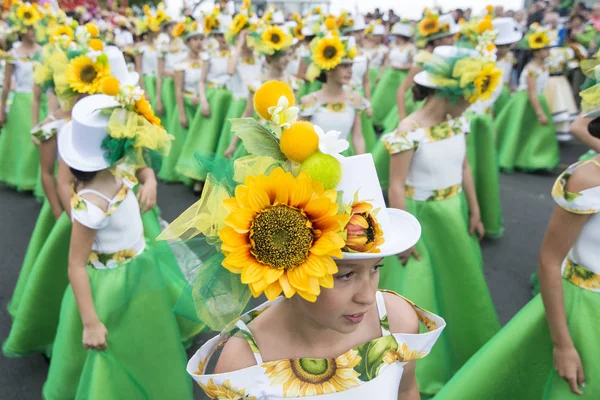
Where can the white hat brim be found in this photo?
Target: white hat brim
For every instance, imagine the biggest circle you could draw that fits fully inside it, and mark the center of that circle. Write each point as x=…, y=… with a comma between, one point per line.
x=592, y=114
x=422, y=78
x=509, y=39
x=73, y=159
x=131, y=80
x=403, y=233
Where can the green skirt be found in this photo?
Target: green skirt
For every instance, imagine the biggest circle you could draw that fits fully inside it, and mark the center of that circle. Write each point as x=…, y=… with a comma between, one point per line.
x=449, y=282
x=517, y=363
x=38, y=192
x=236, y=110
x=20, y=160
x=150, y=85
x=483, y=160
x=502, y=100
x=588, y=155
x=308, y=88
x=167, y=92
x=522, y=142
x=204, y=134
x=168, y=171
x=384, y=96
x=145, y=358
x=373, y=75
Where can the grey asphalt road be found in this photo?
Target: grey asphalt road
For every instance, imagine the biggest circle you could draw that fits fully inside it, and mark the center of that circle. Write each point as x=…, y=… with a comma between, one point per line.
x=509, y=261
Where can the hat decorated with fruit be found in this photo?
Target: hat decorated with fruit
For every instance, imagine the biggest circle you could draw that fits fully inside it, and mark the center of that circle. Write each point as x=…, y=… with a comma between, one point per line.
x=280, y=217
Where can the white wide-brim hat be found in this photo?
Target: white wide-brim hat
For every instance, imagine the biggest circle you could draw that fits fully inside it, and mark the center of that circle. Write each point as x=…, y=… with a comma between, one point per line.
x=118, y=67
x=507, y=31
x=378, y=30
x=453, y=27
x=359, y=24
x=401, y=29
x=80, y=141
x=444, y=52
x=401, y=230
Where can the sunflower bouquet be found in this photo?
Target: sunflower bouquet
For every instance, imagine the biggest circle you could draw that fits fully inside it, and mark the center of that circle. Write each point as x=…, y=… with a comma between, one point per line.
x=273, y=221
x=537, y=37
x=270, y=40
x=327, y=52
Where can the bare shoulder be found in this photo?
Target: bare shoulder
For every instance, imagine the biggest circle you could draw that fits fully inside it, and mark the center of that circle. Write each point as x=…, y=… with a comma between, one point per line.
x=586, y=176
x=408, y=124
x=401, y=314
x=309, y=98
x=236, y=355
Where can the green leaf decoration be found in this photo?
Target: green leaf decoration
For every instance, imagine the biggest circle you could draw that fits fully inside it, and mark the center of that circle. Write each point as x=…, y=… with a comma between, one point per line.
x=248, y=336
x=385, y=323
x=257, y=139
x=371, y=355
x=571, y=196
x=102, y=59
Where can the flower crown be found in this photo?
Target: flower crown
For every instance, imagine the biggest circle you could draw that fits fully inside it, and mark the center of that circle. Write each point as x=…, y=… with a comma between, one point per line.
x=270, y=40
x=537, y=37
x=430, y=26
x=240, y=22
x=153, y=19
x=23, y=16
x=275, y=218
x=211, y=21
x=327, y=52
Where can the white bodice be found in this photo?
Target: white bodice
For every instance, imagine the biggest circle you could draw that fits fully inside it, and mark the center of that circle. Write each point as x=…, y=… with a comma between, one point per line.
x=439, y=154
x=149, y=60
x=173, y=58
x=359, y=70
x=541, y=77
x=560, y=60
x=247, y=72
x=506, y=64
x=217, y=74
x=192, y=73
x=376, y=55
x=334, y=116
x=402, y=57
x=22, y=73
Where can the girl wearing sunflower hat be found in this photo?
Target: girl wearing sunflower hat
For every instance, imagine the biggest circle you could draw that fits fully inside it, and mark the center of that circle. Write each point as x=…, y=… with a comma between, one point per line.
x=325, y=329
x=551, y=342
x=335, y=106
x=214, y=99
x=19, y=165
x=430, y=177
x=117, y=308
x=526, y=134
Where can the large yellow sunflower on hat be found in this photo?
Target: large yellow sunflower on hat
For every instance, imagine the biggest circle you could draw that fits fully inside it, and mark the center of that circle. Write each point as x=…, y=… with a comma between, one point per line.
x=298, y=32
x=486, y=82
x=85, y=75
x=28, y=14
x=538, y=40
x=275, y=38
x=61, y=30
x=238, y=23
x=429, y=26
x=281, y=235
x=208, y=24
x=329, y=53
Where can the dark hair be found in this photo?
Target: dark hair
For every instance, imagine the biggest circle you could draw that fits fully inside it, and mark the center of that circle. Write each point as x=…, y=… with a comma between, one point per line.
x=421, y=92
x=322, y=77
x=82, y=176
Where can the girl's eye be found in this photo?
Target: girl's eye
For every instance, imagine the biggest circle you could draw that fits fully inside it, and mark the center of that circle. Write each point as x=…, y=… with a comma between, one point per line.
x=377, y=267
x=345, y=277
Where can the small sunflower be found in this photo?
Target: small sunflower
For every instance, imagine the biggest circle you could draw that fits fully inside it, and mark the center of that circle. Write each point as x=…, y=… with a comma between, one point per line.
x=224, y=391
x=364, y=232
x=208, y=25
x=145, y=109
x=275, y=38
x=538, y=40
x=298, y=32
x=28, y=14
x=239, y=22
x=329, y=53
x=60, y=31
x=178, y=30
x=85, y=76
x=428, y=26
x=486, y=82
x=281, y=235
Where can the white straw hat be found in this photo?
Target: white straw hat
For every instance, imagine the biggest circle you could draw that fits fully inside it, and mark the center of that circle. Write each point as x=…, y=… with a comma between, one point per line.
x=378, y=30
x=401, y=29
x=507, y=31
x=118, y=67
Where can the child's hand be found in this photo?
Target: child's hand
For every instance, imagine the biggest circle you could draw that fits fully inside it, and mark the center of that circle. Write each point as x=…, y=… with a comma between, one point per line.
x=147, y=197
x=543, y=119
x=94, y=337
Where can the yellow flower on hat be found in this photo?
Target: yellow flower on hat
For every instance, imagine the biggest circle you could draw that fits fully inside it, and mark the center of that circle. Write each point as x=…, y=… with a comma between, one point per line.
x=487, y=81
x=62, y=30
x=238, y=23
x=330, y=22
x=28, y=14
x=329, y=53
x=538, y=40
x=364, y=232
x=298, y=32
x=281, y=235
x=429, y=26
x=145, y=109
x=85, y=75
x=178, y=29
x=352, y=53
x=92, y=30
x=275, y=38
x=110, y=86
x=490, y=8
x=96, y=44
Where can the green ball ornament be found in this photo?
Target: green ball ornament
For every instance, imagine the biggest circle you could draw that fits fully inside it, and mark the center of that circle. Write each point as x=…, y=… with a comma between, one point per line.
x=324, y=169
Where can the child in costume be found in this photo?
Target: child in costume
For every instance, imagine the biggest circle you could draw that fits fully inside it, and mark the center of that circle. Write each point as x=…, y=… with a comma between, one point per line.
x=526, y=135
x=376, y=51
x=508, y=35
x=430, y=177
x=317, y=334
x=361, y=65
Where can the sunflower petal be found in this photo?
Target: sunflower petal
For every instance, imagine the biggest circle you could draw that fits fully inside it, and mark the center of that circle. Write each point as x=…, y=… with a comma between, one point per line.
x=308, y=296
x=273, y=290
x=240, y=220
x=239, y=258
x=302, y=192
x=320, y=207
x=359, y=220
x=272, y=275
x=257, y=199
x=327, y=244
x=232, y=239
x=314, y=266
x=298, y=279
x=326, y=281
x=288, y=290
x=252, y=273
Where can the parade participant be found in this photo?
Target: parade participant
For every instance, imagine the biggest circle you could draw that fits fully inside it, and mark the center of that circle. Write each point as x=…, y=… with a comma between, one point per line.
x=430, y=177
x=526, y=135
x=215, y=99
x=312, y=27
x=19, y=164
x=361, y=65
x=376, y=51
x=394, y=71
x=507, y=35
x=324, y=315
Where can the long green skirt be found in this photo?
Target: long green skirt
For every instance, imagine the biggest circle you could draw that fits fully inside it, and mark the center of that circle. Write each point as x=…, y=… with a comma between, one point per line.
x=384, y=96
x=19, y=157
x=502, y=100
x=373, y=75
x=522, y=142
x=168, y=172
x=150, y=85
x=483, y=160
x=167, y=92
x=145, y=358
x=517, y=362
x=449, y=282
x=236, y=110
x=204, y=133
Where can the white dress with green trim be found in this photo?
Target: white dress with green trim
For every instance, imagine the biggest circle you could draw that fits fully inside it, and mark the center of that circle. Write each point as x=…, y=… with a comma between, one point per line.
x=150, y=56
x=372, y=370
x=558, y=90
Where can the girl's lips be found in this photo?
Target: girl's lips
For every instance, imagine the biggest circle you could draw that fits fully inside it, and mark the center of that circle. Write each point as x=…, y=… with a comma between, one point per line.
x=354, y=318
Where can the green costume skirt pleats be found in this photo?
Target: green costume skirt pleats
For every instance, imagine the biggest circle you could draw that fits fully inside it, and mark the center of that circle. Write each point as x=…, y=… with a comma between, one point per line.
x=168, y=170
x=522, y=142
x=204, y=133
x=236, y=110
x=517, y=362
x=502, y=100
x=20, y=158
x=145, y=358
x=384, y=95
x=150, y=85
x=448, y=281
x=167, y=91
x=481, y=153
x=373, y=75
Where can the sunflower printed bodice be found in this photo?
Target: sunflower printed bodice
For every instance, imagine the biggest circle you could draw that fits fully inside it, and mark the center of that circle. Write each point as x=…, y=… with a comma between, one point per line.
x=376, y=55
x=217, y=74
x=541, y=76
x=119, y=229
x=334, y=116
x=402, y=56
x=192, y=73
x=372, y=370
x=436, y=169
x=22, y=70
x=582, y=265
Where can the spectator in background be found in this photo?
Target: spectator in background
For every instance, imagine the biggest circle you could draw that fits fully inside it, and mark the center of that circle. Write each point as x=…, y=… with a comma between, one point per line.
x=377, y=14
x=536, y=13
x=551, y=20
x=499, y=11
x=468, y=13
x=521, y=18
x=458, y=14
x=509, y=14
x=595, y=17
x=392, y=17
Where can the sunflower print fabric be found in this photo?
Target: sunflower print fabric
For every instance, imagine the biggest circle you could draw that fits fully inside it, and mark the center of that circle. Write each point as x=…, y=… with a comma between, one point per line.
x=346, y=376
x=434, y=195
x=111, y=261
x=579, y=276
x=357, y=103
x=587, y=202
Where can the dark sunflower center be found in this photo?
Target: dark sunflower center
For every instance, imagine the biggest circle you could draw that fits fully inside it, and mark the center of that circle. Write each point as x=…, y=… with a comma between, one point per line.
x=314, y=371
x=27, y=15
x=88, y=74
x=485, y=85
x=329, y=52
x=275, y=38
x=429, y=25
x=539, y=39
x=370, y=231
x=281, y=237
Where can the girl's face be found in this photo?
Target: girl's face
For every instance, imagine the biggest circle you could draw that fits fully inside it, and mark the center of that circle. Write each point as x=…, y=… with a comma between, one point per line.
x=195, y=44
x=502, y=51
x=221, y=40
x=29, y=34
x=343, y=307
x=358, y=35
x=279, y=62
x=400, y=39
x=542, y=54
x=341, y=75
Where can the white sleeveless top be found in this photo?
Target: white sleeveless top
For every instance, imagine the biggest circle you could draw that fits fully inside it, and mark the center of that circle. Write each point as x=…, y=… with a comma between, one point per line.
x=436, y=169
x=346, y=377
x=149, y=60
x=192, y=73
x=120, y=233
x=247, y=72
x=402, y=57
x=217, y=74
x=506, y=64
x=22, y=72
x=376, y=55
x=541, y=76
x=172, y=57
x=359, y=70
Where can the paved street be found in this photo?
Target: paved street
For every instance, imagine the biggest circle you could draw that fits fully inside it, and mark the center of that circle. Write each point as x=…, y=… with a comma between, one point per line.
x=509, y=261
